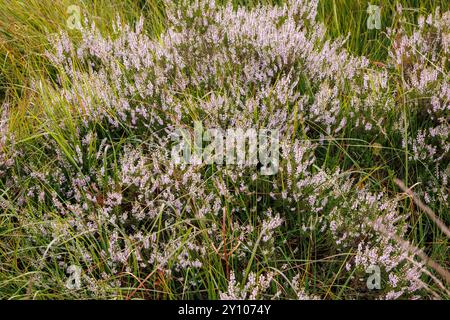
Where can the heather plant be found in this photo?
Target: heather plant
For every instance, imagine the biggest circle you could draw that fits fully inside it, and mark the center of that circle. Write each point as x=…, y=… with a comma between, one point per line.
x=6, y=143
x=90, y=182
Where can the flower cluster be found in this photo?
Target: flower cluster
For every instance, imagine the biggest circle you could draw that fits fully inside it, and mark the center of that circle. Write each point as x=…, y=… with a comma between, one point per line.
x=7, y=152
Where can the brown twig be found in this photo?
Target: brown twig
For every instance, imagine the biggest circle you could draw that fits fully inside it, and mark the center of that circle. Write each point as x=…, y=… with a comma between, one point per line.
x=422, y=255
x=424, y=208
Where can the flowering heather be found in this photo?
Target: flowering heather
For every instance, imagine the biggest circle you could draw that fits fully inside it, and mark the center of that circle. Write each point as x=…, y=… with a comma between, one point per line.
x=88, y=179
x=6, y=141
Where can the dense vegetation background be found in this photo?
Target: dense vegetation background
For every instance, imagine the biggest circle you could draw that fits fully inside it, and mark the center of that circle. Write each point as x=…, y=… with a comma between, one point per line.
x=86, y=182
